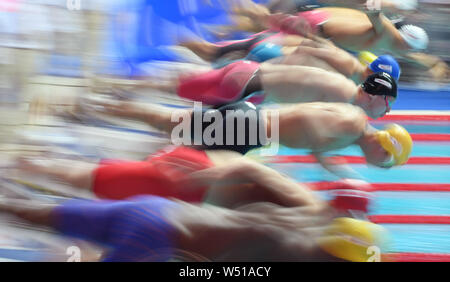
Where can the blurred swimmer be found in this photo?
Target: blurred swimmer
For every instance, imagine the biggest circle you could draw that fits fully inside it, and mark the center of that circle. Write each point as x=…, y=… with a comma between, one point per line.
x=295, y=6
x=283, y=84
x=221, y=177
x=359, y=30
x=151, y=228
x=319, y=127
x=282, y=49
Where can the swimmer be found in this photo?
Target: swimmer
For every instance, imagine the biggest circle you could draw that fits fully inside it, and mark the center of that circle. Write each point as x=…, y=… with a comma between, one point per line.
x=278, y=48
x=359, y=30
x=283, y=84
x=156, y=229
x=222, y=178
x=295, y=6
x=249, y=16
x=218, y=177
x=318, y=127
x=151, y=228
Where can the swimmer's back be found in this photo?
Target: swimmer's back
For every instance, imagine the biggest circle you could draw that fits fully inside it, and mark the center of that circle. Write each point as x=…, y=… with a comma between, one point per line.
x=302, y=60
x=321, y=126
x=304, y=84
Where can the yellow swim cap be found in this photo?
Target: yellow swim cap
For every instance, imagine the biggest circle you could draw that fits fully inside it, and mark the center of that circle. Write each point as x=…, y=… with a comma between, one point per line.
x=397, y=142
x=354, y=240
x=366, y=58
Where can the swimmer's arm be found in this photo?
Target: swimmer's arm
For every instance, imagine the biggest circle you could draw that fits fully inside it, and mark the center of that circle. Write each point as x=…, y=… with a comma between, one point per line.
x=377, y=20
x=436, y=66
x=288, y=191
x=242, y=170
x=337, y=166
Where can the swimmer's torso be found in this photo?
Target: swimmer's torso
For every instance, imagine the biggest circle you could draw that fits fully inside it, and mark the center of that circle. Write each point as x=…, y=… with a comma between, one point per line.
x=254, y=232
x=301, y=59
x=355, y=37
x=300, y=84
x=328, y=58
x=321, y=126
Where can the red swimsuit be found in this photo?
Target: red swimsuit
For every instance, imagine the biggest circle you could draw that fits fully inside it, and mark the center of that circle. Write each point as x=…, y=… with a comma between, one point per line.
x=155, y=176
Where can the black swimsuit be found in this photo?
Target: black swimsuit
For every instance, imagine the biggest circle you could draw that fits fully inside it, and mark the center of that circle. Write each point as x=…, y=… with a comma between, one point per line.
x=249, y=136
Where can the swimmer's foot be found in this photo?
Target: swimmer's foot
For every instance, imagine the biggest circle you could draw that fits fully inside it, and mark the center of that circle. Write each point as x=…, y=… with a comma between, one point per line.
x=75, y=173
x=114, y=107
x=42, y=108
x=110, y=85
x=35, y=165
x=125, y=88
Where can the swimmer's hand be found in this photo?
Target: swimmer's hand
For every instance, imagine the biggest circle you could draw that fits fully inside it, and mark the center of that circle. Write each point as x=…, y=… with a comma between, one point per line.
x=354, y=184
x=435, y=66
x=439, y=72
x=337, y=166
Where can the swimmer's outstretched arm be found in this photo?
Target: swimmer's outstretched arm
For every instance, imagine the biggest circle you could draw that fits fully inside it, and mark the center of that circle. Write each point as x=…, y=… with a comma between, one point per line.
x=340, y=169
x=377, y=20
x=282, y=188
x=437, y=67
x=383, y=27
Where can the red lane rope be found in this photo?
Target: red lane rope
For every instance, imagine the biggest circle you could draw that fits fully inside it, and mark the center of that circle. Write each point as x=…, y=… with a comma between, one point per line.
x=431, y=137
x=410, y=219
x=323, y=186
x=394, y=117
x=356, y=160
x=416, y=257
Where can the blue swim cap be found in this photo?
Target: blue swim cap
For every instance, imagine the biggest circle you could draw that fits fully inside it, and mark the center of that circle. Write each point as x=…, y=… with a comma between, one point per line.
x=264, y=52
x=386, y=64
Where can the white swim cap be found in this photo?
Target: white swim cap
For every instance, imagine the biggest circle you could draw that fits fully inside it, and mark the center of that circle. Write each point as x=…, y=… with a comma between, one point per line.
x=415, y=36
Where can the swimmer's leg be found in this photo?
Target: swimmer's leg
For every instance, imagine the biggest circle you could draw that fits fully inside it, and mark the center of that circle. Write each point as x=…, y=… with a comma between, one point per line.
x=28, y=210
x=169, y=85
x=142, y=233
x=133, y=230
x=204, y=49
x=214, y=87
x=218, y=87
x=77, y=217
x=211, y=52
x=115, y=179
x=156, y=116
x=74, y=173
